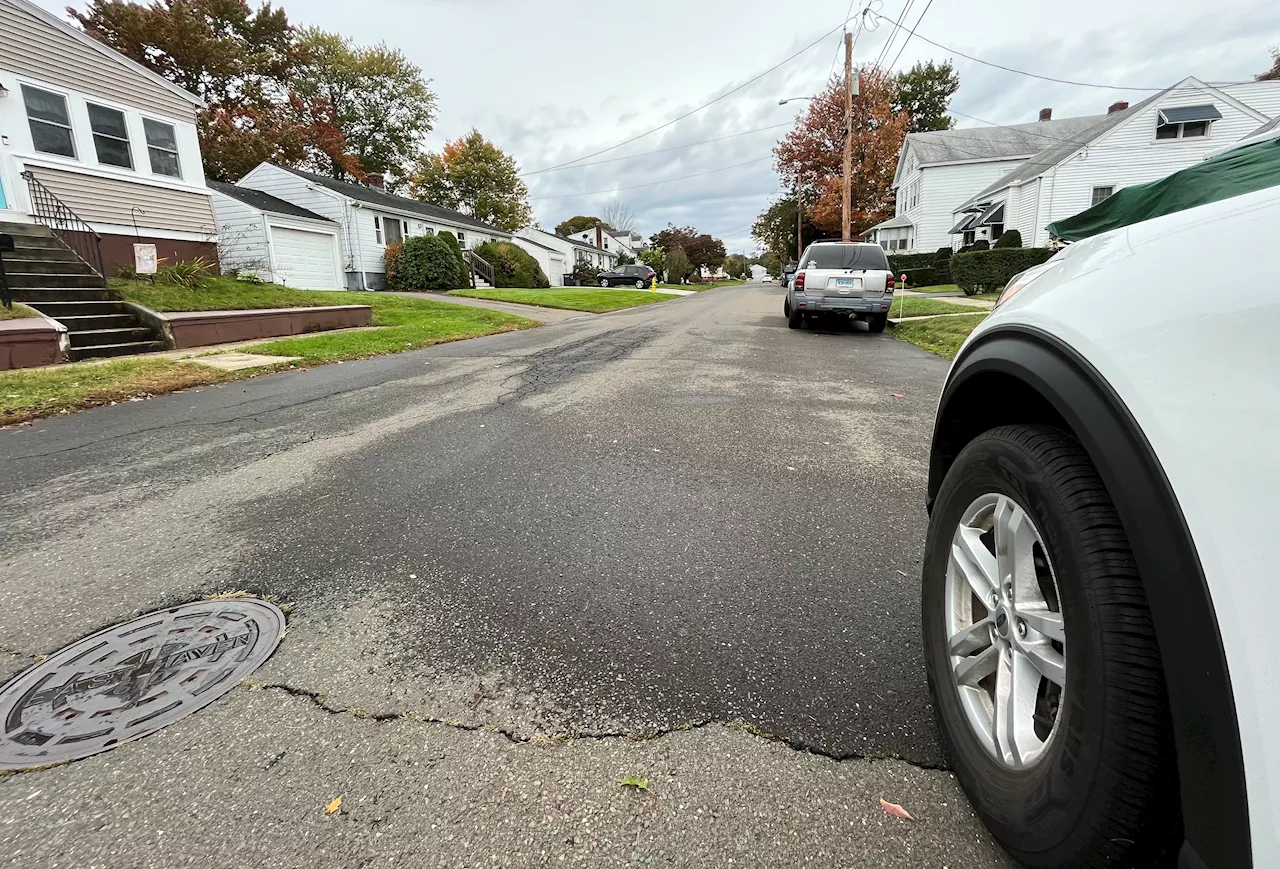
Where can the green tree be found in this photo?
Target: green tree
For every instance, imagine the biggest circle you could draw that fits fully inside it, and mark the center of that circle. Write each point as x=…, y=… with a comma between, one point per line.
x=242, y=63
x=735, y=266
x=1272, y=74
x=775, y=229
x=655, y=258
x=474, y=176
x=578, y=223
x=924, y=93
x=625, y=259
x=678, y=265
x=699, y=248
x=381, y=103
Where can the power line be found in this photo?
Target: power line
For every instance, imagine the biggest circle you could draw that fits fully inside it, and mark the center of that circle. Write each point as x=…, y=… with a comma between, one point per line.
x=909, y=35
x=652, y=183
x=884, y=49
x=1020, y=71
x=701, y=107
x=660, y=150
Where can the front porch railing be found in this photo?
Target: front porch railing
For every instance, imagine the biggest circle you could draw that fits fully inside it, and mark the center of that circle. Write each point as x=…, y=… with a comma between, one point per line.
x=50, y=211
x=478, y=265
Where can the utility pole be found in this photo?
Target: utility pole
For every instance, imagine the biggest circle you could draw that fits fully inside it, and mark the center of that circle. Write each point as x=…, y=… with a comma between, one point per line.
x=799, y=224
x=848, y=134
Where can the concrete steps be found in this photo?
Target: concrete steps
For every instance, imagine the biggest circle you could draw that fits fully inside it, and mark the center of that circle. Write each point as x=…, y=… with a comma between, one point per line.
x=45, y=274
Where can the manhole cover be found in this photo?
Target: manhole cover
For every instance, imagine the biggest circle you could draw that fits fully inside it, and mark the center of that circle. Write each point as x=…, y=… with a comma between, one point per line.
x=132, y=679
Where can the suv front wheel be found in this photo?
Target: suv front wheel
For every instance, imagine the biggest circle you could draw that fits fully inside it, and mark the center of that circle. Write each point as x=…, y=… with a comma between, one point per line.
x=604, y=282
x=1042, y=658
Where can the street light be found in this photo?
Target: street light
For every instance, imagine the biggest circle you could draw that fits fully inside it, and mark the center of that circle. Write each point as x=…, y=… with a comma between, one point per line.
x=793, y=99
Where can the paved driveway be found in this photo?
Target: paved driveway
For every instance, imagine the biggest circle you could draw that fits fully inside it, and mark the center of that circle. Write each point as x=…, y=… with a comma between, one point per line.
x=680, y=542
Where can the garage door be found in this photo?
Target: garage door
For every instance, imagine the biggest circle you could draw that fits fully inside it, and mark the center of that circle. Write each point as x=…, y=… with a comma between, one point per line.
x=305, y=260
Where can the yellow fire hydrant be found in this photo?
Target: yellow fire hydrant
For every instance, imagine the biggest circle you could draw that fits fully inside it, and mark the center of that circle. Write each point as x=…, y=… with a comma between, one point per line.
x=653, y=284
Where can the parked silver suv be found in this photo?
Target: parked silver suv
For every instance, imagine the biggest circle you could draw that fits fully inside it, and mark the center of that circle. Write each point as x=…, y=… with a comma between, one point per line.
x=847, y=278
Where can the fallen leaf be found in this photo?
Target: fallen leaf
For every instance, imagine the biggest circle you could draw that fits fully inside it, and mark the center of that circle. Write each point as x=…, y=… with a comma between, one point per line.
x=896, y=810
x=898, y=395
x=631, y=781
x=337, y=804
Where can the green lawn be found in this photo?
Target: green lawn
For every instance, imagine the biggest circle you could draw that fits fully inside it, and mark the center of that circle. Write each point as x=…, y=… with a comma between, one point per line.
x=941, y=335
x=571, y=298
x=940, y=288
x=35, y=392
x=987, y=297
x=918, y=307
x=19, y=311
x=407, y=323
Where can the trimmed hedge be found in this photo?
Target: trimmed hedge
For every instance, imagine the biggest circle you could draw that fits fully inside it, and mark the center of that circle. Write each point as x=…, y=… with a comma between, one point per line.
x=513, y=266
x=942, y=265
x=1012, y=238
x=925, y=277
x=990, y=270
x=428, y=262
x=903, y=262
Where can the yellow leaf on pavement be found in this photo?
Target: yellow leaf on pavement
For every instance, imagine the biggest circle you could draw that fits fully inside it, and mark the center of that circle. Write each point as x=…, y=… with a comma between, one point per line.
x=333, y=806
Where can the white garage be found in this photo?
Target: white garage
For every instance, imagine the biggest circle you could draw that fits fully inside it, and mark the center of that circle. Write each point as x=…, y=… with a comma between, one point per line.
x=276, y=240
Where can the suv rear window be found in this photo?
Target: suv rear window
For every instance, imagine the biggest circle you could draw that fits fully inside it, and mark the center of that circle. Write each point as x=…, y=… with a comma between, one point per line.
x=845, y=256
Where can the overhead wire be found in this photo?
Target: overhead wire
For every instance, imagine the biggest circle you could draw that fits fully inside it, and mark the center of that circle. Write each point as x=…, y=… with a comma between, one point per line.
x=707, y=104
x=886, y=48
x=660, y=150
x=909, y=35
x=651, y=183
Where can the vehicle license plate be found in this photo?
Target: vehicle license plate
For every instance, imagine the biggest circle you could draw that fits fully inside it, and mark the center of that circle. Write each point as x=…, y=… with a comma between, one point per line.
x=844, y=282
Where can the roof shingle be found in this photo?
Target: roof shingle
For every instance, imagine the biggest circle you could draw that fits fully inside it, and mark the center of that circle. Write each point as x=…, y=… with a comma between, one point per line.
x=265, y=201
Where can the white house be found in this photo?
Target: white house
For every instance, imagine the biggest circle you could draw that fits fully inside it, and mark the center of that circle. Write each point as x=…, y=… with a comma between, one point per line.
x=552, y=261
x=629, y=242
x=606, y=240
x=276, y=240
x=758, y=273
x=937, y=171
x=116, y=144
x=1164, y=133
x=368, y=218
x=572, y=250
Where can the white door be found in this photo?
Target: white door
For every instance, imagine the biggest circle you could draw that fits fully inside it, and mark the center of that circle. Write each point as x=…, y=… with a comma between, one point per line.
x=306, y=260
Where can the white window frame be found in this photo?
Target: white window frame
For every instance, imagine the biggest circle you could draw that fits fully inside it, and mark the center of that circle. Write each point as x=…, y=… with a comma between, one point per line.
x=377, y=229
x=1181, y=125
x=176, y=152
x=94, y=134
x=1093, y=194
x=69, y=126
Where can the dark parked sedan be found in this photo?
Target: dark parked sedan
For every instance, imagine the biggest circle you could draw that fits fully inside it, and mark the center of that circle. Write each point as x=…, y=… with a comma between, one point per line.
x=640, y=277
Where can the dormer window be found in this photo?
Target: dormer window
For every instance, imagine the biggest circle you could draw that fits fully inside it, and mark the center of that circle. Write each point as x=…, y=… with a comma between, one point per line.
x=1186, y=122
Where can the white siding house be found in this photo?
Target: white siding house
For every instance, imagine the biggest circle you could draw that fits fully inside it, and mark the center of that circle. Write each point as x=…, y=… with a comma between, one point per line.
x=1163, y=134
x=368, y=218
x=572, y=250
x=551, y=260
x=276, y=240
x=113, y=141
x=937, y=171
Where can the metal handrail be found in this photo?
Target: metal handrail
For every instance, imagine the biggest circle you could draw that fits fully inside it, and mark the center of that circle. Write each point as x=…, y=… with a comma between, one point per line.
x=477, y=265
x=48, y=210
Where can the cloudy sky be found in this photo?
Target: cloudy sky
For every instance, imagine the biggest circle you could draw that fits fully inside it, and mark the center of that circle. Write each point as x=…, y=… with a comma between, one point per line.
x=551, y=80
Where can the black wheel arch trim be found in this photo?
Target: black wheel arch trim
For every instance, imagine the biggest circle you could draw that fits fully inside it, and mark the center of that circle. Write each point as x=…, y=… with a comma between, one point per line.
x=1210, y=759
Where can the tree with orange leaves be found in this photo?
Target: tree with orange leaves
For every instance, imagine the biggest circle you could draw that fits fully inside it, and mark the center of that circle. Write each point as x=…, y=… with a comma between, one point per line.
x=476, y=177
x=811, y=157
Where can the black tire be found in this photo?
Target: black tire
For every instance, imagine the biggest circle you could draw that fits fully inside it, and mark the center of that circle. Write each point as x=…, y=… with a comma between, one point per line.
x=604, y=283
x=639, y=285
x=786, y=307
x=877, y=322
x=795, y=319
x=1105, y=791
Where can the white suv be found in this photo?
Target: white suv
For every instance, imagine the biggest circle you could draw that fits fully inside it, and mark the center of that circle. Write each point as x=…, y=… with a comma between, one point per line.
x=1101, y=577
x=846, y=278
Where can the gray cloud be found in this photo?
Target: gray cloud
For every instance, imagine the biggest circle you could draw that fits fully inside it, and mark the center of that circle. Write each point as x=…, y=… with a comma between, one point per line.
x=550, y=81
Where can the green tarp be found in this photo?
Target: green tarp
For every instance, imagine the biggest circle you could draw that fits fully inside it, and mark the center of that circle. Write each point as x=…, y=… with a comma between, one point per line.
x=1244, y=170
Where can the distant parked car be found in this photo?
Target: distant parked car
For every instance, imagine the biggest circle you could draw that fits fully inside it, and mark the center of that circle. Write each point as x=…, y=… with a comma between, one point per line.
x=641, y=277
x=767, y=279
x=847, y=278
x=787, y=274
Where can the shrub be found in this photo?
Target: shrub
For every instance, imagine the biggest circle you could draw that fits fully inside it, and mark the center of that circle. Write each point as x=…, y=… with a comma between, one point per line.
x=513, y=266
x=464, y=271
x=189, y=274
x=585, y=275
x=924, y=277
x=429, y=262
x=391, y=260
x=903, y=262
x=1012, y=238
x=942, y=265
x=980, y=244
x=990, y=270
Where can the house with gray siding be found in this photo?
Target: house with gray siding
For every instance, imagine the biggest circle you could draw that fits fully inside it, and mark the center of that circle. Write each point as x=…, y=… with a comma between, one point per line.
x=368, y=217
x=112, y=141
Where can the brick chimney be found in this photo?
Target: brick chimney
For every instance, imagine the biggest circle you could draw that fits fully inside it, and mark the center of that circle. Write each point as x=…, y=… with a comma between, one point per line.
x=1046, y=114
x=1117, y=107
x=377, y=180
x=599, y=238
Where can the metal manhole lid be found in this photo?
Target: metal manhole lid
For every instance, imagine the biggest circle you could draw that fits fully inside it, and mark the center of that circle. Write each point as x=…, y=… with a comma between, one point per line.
x=132, y=679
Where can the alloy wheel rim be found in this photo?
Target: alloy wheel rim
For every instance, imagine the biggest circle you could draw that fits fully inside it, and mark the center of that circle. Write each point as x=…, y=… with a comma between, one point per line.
x=1005, y=637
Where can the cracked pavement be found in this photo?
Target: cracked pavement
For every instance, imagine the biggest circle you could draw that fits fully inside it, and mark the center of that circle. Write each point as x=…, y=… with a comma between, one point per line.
x=679, y=542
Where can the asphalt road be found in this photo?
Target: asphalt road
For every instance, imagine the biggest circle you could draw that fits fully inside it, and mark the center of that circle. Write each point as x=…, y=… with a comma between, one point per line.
x=680, y=541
